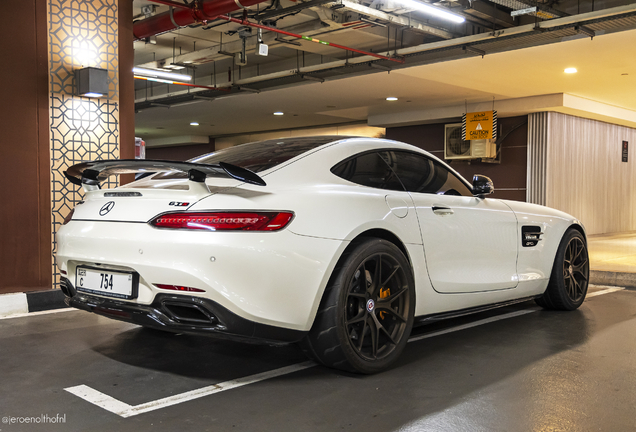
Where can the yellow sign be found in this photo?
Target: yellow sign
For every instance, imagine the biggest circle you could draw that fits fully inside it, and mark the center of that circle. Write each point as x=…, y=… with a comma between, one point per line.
x=479, y=125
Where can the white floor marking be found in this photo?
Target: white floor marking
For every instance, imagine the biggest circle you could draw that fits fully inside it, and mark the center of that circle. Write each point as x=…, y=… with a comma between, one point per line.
x=607, y=290
x=46, y=312
x=100, y=399
x=124, y=410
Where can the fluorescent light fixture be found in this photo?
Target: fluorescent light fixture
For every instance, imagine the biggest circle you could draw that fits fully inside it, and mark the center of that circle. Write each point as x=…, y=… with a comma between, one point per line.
x=570, y=70
x=279, y=113
x=432, y=10
x=159, y=74
x=91, y=94
x=391, y=98
x=194, y=123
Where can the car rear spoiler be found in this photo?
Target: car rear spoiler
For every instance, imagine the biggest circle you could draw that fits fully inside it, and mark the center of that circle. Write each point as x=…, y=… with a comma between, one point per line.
x=90, y=174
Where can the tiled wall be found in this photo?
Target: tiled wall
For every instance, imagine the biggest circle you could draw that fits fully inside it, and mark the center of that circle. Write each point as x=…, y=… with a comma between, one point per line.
x=81, y=34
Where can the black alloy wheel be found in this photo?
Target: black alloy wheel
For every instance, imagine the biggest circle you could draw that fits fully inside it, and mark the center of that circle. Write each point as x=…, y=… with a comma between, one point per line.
x=575, y=269
x=366, y=313
x=570, y=274
x=377, y=304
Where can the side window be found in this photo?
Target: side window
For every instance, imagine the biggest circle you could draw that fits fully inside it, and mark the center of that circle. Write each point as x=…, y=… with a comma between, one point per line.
x=423, y=175
x=368, y=169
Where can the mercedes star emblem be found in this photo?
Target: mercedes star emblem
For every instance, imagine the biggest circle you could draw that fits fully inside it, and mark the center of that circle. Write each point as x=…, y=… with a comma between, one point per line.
x=106, y=208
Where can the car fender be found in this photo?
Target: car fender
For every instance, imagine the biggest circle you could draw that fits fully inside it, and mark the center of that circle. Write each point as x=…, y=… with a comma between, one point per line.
x=535, y=262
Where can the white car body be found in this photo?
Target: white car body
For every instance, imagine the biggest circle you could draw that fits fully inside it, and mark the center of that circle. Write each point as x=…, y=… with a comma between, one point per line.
x=466, y=258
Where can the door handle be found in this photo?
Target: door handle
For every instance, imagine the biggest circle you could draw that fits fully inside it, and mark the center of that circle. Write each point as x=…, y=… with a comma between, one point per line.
x=442, y=211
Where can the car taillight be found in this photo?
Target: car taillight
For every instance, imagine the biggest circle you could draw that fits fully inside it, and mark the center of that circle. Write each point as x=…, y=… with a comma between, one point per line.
x=224, y=221
x=68, y=217
x=178, y=288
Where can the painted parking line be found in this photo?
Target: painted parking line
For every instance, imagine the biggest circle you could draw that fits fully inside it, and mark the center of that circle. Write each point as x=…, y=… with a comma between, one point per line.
x=123, y=409
x=46, y=312
x=606, y=290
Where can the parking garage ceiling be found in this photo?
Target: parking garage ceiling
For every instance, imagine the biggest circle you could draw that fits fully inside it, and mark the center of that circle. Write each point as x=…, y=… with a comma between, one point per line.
x=432, y=63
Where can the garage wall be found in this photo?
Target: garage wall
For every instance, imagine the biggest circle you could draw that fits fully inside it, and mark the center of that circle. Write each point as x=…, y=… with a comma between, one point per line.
x=179, y=153
x=345, y=130
x=25, y=219
x=509, y=176
x=585, y=175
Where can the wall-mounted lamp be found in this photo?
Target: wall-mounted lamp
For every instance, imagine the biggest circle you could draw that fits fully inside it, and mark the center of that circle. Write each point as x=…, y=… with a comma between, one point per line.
x=91, y=82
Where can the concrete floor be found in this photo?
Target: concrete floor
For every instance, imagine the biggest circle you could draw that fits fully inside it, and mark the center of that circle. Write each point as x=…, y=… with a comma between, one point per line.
x=513, y=369
x=613, y=252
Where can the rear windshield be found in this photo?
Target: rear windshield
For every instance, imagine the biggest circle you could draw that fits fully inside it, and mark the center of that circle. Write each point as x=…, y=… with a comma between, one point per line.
x=261, y=155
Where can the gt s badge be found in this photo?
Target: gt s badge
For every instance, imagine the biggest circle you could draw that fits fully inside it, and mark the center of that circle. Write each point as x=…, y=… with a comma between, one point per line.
x=179, y=204
x=106, y=208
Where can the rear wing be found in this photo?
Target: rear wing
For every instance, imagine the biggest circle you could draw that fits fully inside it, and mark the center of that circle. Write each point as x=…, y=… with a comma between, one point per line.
x=90, y=174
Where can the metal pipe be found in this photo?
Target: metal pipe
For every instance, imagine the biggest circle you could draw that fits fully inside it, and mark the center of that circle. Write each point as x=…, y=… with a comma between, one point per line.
x=307, y=38
x=184, y=15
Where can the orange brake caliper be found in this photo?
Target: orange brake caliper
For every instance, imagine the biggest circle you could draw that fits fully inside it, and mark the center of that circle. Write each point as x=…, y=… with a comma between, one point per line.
x=384, y=293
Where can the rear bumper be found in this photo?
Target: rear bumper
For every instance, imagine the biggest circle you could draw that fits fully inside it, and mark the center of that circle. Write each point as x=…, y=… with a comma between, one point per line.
x=182, y=314
x=275, y=279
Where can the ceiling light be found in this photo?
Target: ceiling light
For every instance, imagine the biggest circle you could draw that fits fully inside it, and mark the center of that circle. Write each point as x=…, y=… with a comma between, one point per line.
x=570, y=70
x=431, y=10
x=159, y=74
x=391, y=98
x=279, y=113
x=194, y=124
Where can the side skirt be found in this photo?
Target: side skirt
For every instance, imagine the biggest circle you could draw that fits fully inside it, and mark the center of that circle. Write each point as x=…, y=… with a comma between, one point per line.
x=425, y=319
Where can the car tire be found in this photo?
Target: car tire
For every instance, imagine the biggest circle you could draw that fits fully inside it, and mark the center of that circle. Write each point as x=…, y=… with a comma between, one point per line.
x=570, y=274
x=366, y=313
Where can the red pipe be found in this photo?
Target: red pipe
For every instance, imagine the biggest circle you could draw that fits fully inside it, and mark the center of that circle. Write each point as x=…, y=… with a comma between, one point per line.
x=286, y=33
x=185, y=15
x=203, y=11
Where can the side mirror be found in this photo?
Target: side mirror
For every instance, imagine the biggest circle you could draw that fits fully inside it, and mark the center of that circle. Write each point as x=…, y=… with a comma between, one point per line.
x=482, y=185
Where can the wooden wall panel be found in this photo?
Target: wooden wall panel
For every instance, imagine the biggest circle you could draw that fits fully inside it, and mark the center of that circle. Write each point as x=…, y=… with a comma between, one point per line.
x=585, y=174
x=25, y=219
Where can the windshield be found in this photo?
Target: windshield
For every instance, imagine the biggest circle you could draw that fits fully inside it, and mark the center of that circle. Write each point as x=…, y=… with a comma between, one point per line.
x=261, y=155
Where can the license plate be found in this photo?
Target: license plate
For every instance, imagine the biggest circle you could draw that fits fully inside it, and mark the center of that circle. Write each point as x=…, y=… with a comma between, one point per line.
x=106, y=282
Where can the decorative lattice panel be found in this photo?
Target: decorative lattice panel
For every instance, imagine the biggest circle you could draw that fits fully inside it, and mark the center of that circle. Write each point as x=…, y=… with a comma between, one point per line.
x=81, y=34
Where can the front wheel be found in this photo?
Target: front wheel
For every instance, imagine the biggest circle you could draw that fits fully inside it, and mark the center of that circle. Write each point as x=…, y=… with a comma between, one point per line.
x=366, y=314
x=570, y=274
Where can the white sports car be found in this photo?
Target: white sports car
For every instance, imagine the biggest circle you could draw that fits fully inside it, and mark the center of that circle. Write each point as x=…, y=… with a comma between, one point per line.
x=340, y=243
